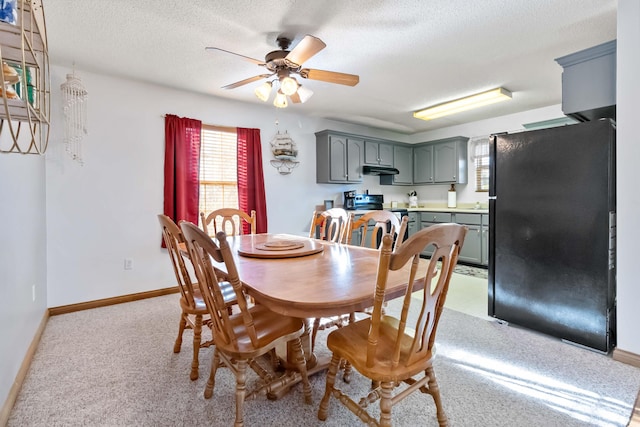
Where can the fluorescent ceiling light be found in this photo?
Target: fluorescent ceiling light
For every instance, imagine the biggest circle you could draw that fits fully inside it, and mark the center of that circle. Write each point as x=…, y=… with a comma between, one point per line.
x=463, y=104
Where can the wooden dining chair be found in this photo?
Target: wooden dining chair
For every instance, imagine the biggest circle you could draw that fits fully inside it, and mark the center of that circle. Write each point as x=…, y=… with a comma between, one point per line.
x=229, y=220
x=391, y=351
x=384, y=222
x=194, y=311
x=372, y=226
x=243, y=337
x=330, y=225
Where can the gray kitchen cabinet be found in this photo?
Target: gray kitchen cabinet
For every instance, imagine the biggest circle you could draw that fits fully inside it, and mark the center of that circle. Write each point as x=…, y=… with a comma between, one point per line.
x=356, y=235
x=413, y=225
x=423, y=164
x=378, y=153
x=441, y=162
x=471, y=251
x=589, y=82
x=427, y=219
x=403, y=161
x=450, y=161
x=485, y=240
x=339, y=158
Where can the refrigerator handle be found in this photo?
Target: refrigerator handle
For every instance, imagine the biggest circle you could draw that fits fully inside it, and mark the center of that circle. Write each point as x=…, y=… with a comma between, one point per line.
x=492, y=165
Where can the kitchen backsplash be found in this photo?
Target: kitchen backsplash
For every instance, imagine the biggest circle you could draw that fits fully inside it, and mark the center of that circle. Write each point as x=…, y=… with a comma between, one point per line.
x=428, y=196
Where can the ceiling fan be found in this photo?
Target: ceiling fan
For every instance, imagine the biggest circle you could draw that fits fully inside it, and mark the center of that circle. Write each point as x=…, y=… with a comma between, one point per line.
x=283, y=64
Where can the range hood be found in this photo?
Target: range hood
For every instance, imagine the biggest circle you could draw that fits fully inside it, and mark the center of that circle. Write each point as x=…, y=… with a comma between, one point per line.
x=379, y=170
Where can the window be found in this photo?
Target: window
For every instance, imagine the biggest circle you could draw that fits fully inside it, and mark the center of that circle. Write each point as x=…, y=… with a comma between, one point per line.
x=218, y=168
x=480, y=157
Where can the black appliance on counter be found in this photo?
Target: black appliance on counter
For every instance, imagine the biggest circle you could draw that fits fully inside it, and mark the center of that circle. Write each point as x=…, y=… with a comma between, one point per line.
x=552, y=226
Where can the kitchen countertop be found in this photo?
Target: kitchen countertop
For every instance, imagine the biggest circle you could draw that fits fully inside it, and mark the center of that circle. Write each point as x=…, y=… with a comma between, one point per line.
x=464, y=207
x=461, y=209
x=452, y=210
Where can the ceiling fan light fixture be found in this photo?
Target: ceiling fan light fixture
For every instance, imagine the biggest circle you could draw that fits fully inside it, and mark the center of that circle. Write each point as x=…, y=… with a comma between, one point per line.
x=304, y=93
x=288, y=86
x=280, y=100
x=263, y=91
x=463, y=104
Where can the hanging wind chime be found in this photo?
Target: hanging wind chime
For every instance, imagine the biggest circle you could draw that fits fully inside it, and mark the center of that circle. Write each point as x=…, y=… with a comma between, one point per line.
x=74, y=98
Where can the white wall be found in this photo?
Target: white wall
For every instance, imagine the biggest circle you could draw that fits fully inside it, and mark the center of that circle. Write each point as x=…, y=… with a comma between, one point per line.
x=23, y=260
x=628, y=159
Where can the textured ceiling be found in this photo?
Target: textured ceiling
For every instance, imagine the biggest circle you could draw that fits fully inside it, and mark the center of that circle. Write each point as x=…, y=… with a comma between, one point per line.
x=408, y=54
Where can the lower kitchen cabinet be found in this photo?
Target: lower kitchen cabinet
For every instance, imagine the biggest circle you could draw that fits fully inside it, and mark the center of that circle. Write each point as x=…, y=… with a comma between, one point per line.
x=414, y=223
x=485, y=240
x=427, y=219
x=475, y=249
x=472, y=248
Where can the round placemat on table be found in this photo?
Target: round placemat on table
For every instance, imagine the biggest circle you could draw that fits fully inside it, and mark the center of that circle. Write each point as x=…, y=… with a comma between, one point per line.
x=280, y=245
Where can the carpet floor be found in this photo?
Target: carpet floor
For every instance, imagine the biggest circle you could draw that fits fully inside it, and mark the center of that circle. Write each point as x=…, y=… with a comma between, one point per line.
x=114, y=366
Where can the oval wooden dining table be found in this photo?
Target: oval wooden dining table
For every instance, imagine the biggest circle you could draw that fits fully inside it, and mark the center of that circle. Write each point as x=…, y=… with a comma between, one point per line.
x=317, y=279
x=338, y=279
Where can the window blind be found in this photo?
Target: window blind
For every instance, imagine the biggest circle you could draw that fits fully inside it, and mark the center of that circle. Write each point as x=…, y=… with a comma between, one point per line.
x=480, y=157
x=218, y=168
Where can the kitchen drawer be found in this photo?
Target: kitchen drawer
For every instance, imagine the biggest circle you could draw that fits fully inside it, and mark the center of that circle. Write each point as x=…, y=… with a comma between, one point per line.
x=466, y=218
x=435, y=216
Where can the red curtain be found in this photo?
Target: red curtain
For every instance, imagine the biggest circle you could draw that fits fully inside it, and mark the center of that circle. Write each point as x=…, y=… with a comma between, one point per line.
x=181, y=164
x=251, y=178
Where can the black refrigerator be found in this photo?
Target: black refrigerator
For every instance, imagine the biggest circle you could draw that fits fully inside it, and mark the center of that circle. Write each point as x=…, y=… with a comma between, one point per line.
x=552, y=233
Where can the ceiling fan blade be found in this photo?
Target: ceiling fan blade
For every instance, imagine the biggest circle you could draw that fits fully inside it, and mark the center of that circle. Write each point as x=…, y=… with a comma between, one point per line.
x=245, y=81
x=304, y=50
x=295, y=98
x=330, y=76
x=255, y=61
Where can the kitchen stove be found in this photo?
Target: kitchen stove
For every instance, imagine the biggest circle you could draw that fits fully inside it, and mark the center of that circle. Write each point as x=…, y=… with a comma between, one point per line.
x=370, y=202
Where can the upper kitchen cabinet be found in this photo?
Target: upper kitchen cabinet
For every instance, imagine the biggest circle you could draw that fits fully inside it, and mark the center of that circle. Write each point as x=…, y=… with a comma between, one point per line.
x=450, y=161
x=339, y=158
x=589, y=83
x=378, y=153
x=403, y=162
x=423, y=164
x=441, y=162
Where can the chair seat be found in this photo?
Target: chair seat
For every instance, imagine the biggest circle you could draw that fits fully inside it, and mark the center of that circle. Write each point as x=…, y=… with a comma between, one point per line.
x=228, y=294
x=349, y=341
x=269, y=327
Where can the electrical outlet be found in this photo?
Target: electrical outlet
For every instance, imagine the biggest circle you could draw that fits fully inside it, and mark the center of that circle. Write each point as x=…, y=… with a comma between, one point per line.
x=128, y=264
x=33, y=293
